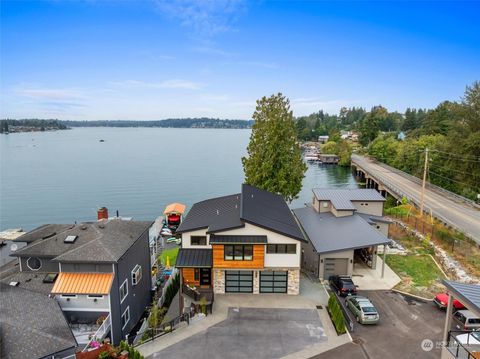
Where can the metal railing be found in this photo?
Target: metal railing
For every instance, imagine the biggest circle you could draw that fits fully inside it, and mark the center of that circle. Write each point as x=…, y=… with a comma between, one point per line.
x=101, y=332
x=462, y=350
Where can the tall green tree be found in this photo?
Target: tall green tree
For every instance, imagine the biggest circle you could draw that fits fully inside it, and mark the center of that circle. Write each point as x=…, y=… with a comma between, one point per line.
x=274, y=162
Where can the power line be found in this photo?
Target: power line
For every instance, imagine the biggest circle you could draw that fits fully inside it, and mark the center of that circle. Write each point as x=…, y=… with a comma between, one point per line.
x=452, y=180
x=450, y=169
x=461, y=157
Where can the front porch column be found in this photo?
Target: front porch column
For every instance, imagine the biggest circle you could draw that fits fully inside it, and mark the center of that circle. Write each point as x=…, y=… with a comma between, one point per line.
x=448, y=319
x=384, y=259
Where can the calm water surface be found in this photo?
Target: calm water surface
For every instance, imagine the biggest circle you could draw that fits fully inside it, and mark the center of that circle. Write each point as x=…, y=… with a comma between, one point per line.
x=64, y=176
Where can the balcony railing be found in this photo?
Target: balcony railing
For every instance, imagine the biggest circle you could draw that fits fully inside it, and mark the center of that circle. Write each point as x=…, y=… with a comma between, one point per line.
x=468, y=350
x=101, y=332
x=196, y=294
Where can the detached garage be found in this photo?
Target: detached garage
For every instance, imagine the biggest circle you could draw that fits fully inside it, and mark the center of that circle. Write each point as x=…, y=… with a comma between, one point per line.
x=333, y=241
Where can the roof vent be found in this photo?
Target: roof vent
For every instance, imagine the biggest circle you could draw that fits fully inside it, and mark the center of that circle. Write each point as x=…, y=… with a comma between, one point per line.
x=218, y=212
x=83, y=227
x=70, y=239
x=101, y=226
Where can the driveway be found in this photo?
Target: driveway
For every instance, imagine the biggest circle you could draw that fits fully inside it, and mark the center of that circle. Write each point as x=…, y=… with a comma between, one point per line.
x=403, y=325
x=252, y=333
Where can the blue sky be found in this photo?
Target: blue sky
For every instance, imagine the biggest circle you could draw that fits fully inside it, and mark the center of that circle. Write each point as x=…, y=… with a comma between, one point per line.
x=91, y=60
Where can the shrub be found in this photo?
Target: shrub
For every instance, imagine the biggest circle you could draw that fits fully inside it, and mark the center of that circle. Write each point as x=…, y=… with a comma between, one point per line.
x=336, y=314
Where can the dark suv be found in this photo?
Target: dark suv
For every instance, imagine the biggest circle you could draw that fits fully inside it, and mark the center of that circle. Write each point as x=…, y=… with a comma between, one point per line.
x=343, y=285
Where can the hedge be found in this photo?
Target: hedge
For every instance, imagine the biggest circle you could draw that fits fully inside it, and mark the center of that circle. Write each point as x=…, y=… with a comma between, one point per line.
x=336, y=314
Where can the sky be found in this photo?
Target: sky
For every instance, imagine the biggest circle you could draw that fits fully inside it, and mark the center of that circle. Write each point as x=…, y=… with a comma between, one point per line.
x=156, y=59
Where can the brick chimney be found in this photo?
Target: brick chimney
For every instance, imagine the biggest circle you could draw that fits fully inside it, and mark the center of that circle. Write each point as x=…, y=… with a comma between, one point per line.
x=102, y=213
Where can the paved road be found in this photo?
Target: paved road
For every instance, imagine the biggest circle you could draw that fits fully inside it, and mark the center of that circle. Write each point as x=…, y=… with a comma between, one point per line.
x=252, y=333
x=403, y=325
x=461, y=215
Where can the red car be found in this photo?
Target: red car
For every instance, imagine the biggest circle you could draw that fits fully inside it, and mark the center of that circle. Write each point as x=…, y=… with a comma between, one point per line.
x=441, y=300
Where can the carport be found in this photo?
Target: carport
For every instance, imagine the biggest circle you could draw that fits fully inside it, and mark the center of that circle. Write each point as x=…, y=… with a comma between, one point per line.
x=333, y=242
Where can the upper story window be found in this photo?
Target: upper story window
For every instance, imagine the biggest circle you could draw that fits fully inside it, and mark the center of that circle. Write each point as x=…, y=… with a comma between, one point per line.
x=282, y=248
x=136, y=274
x=198, y=240
x=125, y=317
x=34, y=263
x=123, y=290
x=238, y=252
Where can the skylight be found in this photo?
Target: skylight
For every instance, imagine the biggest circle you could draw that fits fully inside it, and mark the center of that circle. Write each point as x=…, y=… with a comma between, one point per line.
x=70, y=239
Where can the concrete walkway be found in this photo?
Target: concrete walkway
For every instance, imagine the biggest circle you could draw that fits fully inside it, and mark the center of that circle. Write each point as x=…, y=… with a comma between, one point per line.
x=312, y=294
x=371, y=279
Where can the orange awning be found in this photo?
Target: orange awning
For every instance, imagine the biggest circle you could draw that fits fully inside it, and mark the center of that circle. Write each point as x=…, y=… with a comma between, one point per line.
x=83, y=283
x=174, y=208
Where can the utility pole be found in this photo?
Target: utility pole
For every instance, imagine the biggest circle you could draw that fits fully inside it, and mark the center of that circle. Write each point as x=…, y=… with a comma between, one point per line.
x=425, y=168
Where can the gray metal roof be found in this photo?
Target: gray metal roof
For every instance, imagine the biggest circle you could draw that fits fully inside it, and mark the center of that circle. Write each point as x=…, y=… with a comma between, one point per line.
x=193, y=257
x=215, y=239
x=374, y=219
x=468, y=294
x=105, y=241
x=33, y=325
x=216, y=214
x=253, y=205
x=328, y=233
x=342, y=198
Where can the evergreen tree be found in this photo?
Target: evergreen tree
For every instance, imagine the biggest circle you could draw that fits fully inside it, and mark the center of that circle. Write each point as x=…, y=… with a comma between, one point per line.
x=274, y=162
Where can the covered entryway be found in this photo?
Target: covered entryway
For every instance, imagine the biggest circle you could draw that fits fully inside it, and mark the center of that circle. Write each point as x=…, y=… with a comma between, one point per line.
x=238, y=281
x=273, y=281
x=335, y=266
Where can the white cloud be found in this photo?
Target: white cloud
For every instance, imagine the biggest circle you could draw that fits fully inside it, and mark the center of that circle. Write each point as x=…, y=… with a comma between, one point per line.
x=167, y=84
x=307, y=105
x=47, y=93
x=205, y=17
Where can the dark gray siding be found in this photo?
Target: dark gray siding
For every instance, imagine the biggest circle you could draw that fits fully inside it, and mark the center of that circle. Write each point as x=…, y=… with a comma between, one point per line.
x=87, y=267
x=138, y=298
x=47, y=265
x=310, y=258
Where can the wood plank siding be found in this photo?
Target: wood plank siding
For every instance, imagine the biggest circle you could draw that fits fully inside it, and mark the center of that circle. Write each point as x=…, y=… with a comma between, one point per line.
x=257, y=262
x=189, y=276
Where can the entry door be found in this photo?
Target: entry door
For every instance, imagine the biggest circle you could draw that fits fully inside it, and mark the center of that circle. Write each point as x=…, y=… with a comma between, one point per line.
x=238, y=281
x=205, y=276
x=335, y=266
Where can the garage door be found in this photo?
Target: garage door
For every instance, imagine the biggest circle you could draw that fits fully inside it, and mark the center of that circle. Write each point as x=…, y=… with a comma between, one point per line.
x=238, y=281
x=334, y=266
x=273, y=281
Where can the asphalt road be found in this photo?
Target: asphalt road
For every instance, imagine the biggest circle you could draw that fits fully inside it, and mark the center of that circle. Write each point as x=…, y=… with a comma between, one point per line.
x=403, y=325
x=461, y=215
x=251, y=333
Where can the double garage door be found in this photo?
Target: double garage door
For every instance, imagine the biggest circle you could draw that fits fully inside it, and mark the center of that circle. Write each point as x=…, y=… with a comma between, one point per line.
x=242, y=281
x=335, y=266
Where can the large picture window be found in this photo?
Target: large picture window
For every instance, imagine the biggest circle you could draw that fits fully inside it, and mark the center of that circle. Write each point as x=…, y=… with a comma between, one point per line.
x=282, y=248
x=198, y=240
x=238, y=252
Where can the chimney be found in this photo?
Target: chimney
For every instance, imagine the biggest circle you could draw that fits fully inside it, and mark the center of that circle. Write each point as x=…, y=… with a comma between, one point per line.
x=102, y=213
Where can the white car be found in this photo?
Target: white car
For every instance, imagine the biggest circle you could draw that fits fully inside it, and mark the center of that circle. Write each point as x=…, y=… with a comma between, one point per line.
x=174, y=240
x=472, y=338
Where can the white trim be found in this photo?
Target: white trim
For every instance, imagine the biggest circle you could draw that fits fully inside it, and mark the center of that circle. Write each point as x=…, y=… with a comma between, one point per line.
x=20, y=262
x=121, y=318
x=59, y=267
x=120, y=290
x=37, y=269
x=135, y=270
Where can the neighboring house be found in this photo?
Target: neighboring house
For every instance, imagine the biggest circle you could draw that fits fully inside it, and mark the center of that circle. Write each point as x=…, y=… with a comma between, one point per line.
x=339, y=225
x=32, y=325
x=323, y=138
x=243, y=243
x=98, y=272
x=9, y=244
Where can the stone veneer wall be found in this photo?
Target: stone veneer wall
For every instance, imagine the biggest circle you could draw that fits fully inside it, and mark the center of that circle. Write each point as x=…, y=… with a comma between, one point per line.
x=219, y=281
x=256, y=282
x=293, y=281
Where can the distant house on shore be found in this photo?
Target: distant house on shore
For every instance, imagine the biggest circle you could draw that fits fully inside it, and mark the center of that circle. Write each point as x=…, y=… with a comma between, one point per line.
x=323, y=138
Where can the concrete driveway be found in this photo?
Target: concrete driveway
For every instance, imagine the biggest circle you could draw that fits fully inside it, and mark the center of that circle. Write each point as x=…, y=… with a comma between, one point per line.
x=404, y=323
x=252, y=333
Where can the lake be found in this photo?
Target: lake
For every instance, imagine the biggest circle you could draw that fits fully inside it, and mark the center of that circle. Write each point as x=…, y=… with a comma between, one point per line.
x=64, y=176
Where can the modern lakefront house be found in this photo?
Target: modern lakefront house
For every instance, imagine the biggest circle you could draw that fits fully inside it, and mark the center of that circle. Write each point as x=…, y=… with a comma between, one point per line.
x=98, y=272
x=247, y=242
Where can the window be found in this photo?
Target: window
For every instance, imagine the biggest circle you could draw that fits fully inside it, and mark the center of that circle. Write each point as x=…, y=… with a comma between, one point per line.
x=34, y=263
x=125, y=317
x=198, y=240
x=196, y=274
x=95, y=296
x=325, y=204
x=136, y=274
x=282, y=248
x=238, y=252
x=123, y=290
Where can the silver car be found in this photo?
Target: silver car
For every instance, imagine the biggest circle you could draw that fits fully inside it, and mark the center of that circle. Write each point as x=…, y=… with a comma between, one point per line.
x=363, y=309
x=466, y=320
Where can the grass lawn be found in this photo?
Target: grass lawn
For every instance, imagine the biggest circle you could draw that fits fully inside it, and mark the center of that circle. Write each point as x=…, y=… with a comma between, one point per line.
x=172, y=254
x=420, y=275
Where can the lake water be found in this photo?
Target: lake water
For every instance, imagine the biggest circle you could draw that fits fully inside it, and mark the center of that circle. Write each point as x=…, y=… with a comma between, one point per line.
x=64, y=176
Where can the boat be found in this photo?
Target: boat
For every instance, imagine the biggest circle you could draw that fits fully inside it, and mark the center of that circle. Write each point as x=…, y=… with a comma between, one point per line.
x=166, y=232
x=311, y=156
x=173, y=215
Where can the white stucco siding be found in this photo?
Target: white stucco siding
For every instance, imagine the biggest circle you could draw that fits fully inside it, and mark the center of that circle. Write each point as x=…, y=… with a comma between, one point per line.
x=83, y=303
x=369, y=207
x=271, y=259
x=186, y=242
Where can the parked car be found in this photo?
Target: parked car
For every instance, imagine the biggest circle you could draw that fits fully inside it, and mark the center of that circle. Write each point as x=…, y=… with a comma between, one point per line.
x=467, y=339
x=343, y=285
x=174, y=240
x=441, y=300
x=363, y=309
x=466, y=320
